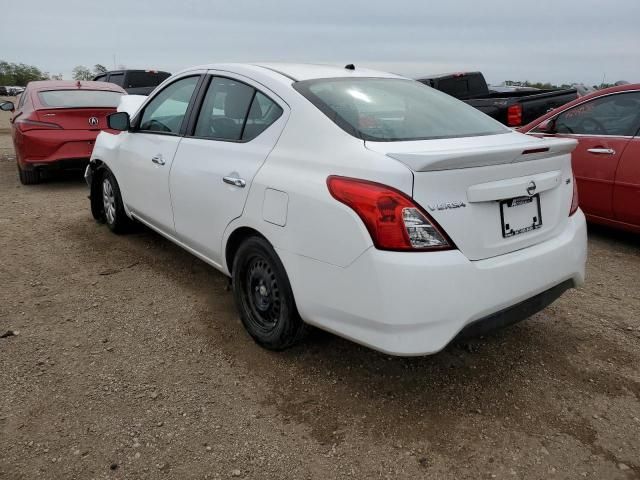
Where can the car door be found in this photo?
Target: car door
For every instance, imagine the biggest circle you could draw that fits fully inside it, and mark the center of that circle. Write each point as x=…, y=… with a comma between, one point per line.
x=229, y=138
x=603, y=127
x=626, y=194
x=147, y=152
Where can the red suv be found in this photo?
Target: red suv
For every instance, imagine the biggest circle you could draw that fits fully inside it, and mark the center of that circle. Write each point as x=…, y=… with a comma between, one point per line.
x=55, y=124
x=606, y=163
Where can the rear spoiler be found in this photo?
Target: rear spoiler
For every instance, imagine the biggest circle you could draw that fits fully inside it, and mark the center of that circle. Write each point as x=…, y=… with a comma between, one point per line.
x=452, y=159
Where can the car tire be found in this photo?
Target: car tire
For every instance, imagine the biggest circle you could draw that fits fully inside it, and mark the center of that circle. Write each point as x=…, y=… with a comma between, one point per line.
x=28, y=177
x=113, y=211
x=264, y=298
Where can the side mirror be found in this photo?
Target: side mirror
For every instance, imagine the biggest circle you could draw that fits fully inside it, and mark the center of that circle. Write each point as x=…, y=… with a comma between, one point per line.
x=119, y=121
x=7, y=106
x=547, y=127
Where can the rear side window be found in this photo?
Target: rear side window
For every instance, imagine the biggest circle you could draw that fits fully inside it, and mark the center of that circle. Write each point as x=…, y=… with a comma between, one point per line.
x=79, y=98
x=389, y=109
x=117, y=78
x=617, y=115
x=234, y=111
x=263, y=112
x=101, y=78
x=145, y=79
x=457, y=87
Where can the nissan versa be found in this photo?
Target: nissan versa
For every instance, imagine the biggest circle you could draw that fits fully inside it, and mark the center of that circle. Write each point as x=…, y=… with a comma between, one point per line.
x=361, y=202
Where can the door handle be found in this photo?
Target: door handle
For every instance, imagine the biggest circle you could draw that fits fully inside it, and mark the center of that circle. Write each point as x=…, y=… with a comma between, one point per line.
x=157, y=159
x=602, y=151
x=235, y=181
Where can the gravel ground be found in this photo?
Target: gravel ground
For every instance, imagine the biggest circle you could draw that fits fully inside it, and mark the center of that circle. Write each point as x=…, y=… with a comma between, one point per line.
x=130, y=362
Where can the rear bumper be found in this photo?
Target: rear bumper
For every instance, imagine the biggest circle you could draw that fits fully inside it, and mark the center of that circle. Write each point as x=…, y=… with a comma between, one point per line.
x=56, y=148
x=416, y=303
x=57, y=164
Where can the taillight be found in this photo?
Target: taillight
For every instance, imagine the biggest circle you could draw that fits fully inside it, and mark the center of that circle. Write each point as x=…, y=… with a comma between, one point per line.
x=574, y=199
x=393, y=220
x=24, y=124
x=514, y=115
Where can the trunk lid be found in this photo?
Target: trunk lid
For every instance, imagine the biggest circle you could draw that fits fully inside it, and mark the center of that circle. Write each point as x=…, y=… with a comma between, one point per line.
x=76, y=118
x=494, y=194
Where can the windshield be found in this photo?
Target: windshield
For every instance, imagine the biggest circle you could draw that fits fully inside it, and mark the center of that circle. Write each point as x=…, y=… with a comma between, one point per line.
x=79, y=98
x=389, y=109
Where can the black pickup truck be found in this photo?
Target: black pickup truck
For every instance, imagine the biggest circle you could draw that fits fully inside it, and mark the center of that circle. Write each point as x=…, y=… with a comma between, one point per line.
x=514, y=109
x=135, y=82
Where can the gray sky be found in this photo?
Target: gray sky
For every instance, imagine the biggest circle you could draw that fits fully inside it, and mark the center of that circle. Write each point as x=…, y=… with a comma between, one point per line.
x=544, y=40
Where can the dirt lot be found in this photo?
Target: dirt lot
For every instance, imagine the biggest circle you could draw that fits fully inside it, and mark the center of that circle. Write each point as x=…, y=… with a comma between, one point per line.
x=131, y=362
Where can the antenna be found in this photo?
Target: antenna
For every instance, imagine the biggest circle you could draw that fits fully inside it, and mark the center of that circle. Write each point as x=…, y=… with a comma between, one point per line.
x=350, y=66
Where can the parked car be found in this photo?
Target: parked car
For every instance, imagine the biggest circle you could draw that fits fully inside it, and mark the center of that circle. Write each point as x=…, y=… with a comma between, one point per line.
x=514, y=109
x=358, y=201
x=14, y=91
x=56, y=123
x=4, y=91
x=135, y=82
x=606, y=163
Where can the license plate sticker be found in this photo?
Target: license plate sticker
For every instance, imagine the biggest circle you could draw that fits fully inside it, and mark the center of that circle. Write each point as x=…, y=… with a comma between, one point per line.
x=520, y=215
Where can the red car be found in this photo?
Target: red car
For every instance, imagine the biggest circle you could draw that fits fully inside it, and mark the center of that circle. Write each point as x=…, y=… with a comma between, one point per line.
x=56, y=122
x=606, y=162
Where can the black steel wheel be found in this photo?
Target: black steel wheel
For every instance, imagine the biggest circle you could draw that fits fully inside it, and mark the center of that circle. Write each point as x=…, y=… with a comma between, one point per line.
x=264, y=297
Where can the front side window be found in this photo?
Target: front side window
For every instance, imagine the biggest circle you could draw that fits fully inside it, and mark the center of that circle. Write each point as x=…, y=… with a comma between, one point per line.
x=389, y=109
x=616, y=115
x=79, y=98
x=165, y=112
x=22, y=99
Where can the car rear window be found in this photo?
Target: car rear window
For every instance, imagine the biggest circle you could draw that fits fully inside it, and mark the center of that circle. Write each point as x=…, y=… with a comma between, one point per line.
x=389, y=109
x=79, y=98
x=145, y=79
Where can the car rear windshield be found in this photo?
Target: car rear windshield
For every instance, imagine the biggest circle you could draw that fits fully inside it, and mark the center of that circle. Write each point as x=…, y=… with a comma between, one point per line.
x=79, y=98
x=145, y=79
x=389, y=109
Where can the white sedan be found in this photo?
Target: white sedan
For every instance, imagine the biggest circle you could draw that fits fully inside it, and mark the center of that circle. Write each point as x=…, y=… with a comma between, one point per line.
x=361, y=202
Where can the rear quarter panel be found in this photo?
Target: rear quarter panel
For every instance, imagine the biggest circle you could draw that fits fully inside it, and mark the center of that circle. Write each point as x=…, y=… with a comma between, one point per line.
x=626, y=194
x=317, y=226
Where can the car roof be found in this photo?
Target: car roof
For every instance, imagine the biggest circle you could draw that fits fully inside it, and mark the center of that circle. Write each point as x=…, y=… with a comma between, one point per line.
x=606, y=91
x=73, y=85
x=127, y=70
x=298, y=71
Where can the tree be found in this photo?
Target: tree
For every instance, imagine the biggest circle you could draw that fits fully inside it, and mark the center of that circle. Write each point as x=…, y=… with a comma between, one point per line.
x=99, y=69
x=82, y=73
x=19, y=74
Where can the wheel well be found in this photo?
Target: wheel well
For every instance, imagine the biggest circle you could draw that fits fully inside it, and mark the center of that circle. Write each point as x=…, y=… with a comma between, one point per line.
x=97, y=166
x=234, y=242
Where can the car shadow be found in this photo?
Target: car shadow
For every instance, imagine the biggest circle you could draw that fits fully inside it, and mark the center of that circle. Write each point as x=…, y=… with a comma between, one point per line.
x=69, y=177
x=610, y=234
x=327, y=382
